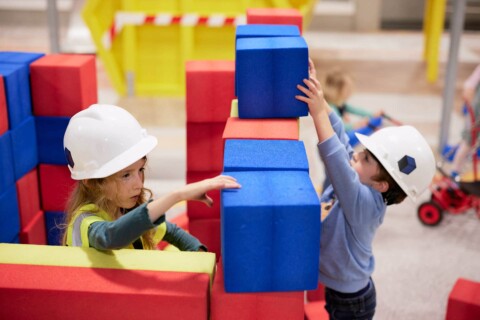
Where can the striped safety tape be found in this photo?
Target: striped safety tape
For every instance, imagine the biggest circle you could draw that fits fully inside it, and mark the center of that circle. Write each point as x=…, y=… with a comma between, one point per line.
x=162, y=19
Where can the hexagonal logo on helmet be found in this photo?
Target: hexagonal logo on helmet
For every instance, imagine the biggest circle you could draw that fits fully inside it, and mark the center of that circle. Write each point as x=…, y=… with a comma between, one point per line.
x=407, y=164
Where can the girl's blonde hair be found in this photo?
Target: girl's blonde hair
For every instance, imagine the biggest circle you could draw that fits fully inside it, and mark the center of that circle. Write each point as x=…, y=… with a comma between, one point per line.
x=93, y=191
x=334, y=82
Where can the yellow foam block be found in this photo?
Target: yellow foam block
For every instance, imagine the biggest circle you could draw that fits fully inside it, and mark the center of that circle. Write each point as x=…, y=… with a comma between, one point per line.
x=234, y=109
x=177, y=261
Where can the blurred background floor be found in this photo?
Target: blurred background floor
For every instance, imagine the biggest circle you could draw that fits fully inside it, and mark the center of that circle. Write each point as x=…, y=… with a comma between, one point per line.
x=416, y=266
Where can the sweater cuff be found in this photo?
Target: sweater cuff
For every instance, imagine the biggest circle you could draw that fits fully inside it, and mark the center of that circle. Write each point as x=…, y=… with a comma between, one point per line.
x=157, y=222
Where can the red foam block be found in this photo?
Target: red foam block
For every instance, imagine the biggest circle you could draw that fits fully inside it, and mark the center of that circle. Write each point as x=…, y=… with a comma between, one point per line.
x=317, y=294
x=205, y=146
x=34, y=232
x=30, y=292
x=246, y=306
x=316, y=311
x=272, y=129
x=275, y=16
x=210, y=90
x=182, y=221
x=63, y=84
x=3, y=108
x=198, y=210
x=28, y=196
x=208, y=232
x=464, y=300
x=55, y=186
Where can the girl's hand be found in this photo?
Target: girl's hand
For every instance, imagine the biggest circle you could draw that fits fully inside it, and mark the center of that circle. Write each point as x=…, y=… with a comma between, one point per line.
x=314, y=96
x=198, y=190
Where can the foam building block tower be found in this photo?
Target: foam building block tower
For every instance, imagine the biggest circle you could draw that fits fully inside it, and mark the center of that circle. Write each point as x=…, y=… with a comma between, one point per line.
x=38, y=95
x=210, y=90
x=273, y=222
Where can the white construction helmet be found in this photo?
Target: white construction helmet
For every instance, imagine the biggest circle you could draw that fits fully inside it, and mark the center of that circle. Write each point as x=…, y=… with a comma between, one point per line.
x=406, y=156
x=102, y=140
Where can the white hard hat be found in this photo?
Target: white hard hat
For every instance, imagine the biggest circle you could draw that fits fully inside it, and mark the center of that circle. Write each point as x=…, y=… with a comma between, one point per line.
x=102, y=140
x=406, y=156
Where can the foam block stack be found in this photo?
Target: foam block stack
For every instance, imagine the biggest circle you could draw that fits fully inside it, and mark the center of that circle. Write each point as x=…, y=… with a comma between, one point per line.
x=270, y=228
x=281, y=16
x=210, y=90
x=464, y=300
x=38, y=95
x=62, y=85
x=18, y=152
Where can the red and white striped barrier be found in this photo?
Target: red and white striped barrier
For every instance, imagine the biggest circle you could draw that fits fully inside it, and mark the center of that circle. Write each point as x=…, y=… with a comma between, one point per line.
x=164, y=19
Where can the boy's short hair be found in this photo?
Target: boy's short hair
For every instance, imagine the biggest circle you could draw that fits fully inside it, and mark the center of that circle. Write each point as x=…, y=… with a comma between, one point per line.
x=394, y=194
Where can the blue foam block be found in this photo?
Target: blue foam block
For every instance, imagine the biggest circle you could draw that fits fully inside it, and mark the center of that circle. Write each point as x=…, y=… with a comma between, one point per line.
x=268, y=72
x=264, y=155
x=9, y=215
x=24, y=147
x=50, y=132
x=374, y=124
x=53, y=225
x=262, y=31
x=17, y=91
x=266, y=30
x=270, y=231
x=7, y=175
x=19, y=57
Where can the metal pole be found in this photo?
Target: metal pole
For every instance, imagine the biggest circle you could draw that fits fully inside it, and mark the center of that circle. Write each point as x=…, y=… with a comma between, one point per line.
x=52, y=16
x=456, y=29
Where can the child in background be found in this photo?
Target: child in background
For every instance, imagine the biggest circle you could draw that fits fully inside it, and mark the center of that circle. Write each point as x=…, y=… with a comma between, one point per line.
x=471, y=95
x=396, y=162
x=110, y=208
x=337, y=89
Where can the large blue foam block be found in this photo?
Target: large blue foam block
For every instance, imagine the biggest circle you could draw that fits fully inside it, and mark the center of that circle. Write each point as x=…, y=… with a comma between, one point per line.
x=270, y=231
x=50, y=132
x=264, y=155
x=24, y=147
x=53, y=224
x=268, y=72
x=266, y=30
x=9, y=215
x=262, y=31
x=17, y=90
x=19, y=57
x=7, y=175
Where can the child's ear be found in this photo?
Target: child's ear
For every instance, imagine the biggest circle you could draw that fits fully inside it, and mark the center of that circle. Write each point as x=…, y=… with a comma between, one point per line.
x=380, y=186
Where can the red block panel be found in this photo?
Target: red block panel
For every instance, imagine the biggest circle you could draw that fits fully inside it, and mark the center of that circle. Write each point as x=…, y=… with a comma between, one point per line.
x=275, y=16
x=199, y=210
x=34, y=232
x=273, y=129
x=63, y=84
x=28, y=195
x=247, y=306
x=464, y=301
x=30, y=292
x=205, y=146
x=316, y=311
x=55, y=186
x=3, y=108
x=318, y=294
x=208, y=232
x=210, y=90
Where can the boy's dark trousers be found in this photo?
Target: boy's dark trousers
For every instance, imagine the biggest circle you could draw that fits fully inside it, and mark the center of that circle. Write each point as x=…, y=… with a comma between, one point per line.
x=351, y=306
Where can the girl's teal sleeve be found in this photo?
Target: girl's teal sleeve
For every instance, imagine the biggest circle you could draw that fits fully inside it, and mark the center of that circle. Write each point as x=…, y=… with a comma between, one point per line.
x=357, y=111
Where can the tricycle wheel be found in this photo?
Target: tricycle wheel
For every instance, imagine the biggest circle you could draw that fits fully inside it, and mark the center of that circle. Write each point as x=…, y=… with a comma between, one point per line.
x=430, y=213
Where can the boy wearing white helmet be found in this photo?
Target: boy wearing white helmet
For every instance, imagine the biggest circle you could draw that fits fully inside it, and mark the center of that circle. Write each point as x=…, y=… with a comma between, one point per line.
x=396, y=162
x=109, y=208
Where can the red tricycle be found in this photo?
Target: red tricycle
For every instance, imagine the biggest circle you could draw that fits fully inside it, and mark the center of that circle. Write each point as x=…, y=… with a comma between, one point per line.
x=455, y=196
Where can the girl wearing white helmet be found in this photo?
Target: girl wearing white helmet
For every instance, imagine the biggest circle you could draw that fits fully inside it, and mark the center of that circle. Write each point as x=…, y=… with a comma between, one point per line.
x=396, y=162
x=109, y=208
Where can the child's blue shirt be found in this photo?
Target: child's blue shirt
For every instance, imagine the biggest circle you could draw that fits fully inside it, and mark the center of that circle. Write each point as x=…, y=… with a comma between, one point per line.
x=346, y=257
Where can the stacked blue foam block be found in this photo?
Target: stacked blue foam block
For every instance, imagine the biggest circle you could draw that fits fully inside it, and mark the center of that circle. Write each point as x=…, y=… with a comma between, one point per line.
x=18, y=147
x=270, y=227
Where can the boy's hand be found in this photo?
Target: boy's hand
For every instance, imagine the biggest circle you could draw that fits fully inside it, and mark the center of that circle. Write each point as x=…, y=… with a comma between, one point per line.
x=314, y=96
x=312, y=72
x=198, y=190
